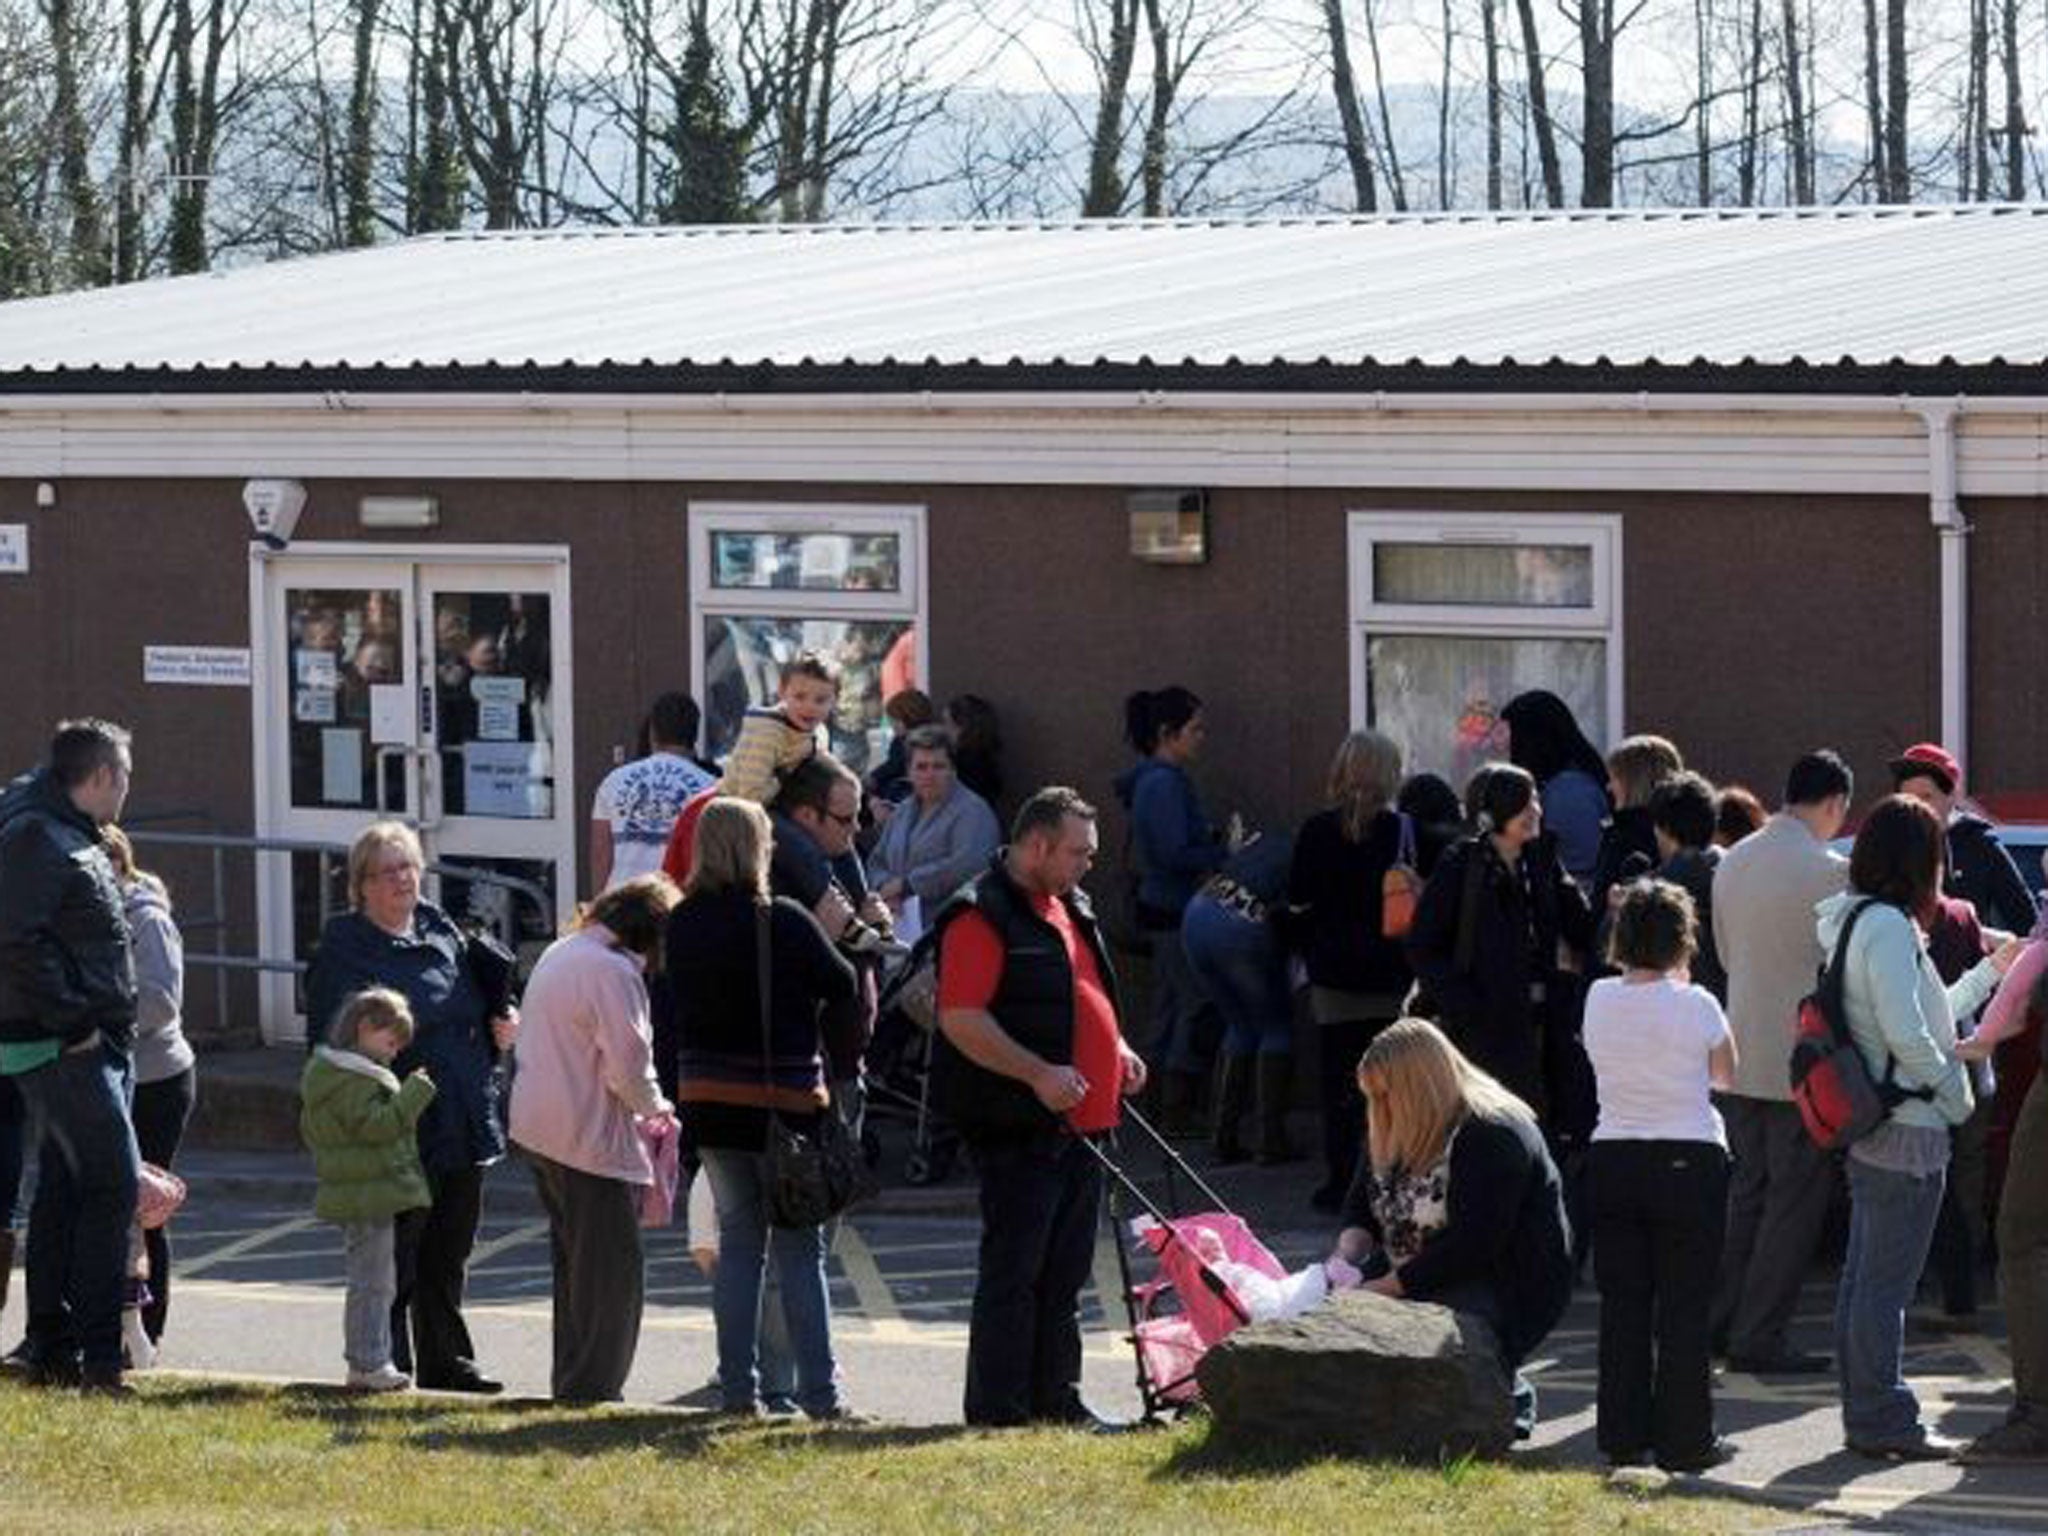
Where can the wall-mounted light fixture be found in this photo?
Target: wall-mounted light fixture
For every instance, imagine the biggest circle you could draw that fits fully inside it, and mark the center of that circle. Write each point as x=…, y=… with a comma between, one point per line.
x=399, y=512
x=1169, y=527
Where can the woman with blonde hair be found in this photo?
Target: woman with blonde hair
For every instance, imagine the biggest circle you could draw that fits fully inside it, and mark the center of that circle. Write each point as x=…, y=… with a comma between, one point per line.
x=743, y=1057
x=1457, y=1203
x=1357, y=972
x=1636, y=769
x=585, y=1082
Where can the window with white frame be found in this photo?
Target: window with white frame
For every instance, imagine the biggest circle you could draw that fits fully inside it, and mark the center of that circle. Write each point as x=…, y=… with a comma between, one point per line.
x=768, y=580
x=1453, y=614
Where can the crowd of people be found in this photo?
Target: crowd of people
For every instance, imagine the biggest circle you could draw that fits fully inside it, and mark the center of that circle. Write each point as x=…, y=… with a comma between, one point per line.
x=1551, y=1017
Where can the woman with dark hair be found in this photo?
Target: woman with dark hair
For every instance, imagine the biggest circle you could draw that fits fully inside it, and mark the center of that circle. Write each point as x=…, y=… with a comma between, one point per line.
x=1737, y=813
x=1902, y=1021
x=1544, y=739
x=1493, y=922
x=585, y=1081
x=1428, y=800
x=977, y=746
x=1176, y=848
x=1357, y=974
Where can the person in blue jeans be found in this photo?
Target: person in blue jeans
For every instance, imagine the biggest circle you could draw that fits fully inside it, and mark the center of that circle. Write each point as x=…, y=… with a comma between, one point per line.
x=1903, y=1023
x=1235, y=951
x=67, y=1021
x=741, y=1057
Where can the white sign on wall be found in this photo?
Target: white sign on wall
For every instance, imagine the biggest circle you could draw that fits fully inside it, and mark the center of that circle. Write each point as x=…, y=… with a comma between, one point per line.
x=13, y=549
x=214, y=666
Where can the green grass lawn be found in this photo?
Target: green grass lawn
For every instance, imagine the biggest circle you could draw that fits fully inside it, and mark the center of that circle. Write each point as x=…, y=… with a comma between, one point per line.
x=191, y=1456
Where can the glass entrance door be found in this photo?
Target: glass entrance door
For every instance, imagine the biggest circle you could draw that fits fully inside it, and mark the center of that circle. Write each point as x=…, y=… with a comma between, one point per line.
x=431, y=691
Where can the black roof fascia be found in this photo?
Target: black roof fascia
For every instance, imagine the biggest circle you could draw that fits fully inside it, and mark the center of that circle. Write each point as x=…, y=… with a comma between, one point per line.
x=1798, y=377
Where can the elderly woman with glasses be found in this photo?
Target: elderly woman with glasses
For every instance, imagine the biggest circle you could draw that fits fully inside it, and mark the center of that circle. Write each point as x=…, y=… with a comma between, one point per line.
x=391, y=938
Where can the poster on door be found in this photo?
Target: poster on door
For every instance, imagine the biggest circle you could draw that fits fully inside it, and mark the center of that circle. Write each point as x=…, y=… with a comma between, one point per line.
x=505, y=779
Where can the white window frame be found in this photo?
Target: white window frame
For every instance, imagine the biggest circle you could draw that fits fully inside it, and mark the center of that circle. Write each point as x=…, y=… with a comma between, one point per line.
x=1602, y=620
x=911, y=600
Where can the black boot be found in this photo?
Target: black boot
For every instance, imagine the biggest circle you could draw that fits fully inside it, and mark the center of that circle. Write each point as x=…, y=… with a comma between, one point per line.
x=1233, y=1098
x=1276, y=1085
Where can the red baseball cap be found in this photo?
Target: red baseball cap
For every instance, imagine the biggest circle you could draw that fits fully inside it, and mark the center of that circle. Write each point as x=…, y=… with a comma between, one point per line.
x=1929, y=760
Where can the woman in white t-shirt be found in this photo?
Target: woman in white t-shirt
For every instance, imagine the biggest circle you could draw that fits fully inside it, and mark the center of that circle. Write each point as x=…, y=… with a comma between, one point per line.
x=1659, y=1046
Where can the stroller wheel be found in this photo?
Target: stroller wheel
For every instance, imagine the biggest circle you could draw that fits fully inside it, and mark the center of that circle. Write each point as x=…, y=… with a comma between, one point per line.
x=917, y=1169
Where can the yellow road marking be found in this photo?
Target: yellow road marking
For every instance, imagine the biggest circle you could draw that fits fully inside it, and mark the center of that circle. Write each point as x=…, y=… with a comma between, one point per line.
x=185, y=1269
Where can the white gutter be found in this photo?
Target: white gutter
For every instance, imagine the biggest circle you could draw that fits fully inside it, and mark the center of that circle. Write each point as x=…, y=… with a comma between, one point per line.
x=949, y=402
x=1951, y=531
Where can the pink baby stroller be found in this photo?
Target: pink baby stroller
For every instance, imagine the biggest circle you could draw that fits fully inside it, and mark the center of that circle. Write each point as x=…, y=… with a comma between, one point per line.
x=1186, y=1306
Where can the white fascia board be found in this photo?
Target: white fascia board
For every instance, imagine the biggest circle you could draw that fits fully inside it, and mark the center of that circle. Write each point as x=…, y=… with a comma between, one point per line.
x=1799, y=444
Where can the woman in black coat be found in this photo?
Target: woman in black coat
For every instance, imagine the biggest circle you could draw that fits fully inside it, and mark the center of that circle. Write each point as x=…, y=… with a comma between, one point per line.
x=1498, y=939
x=1458, y=1203
x=391, y=938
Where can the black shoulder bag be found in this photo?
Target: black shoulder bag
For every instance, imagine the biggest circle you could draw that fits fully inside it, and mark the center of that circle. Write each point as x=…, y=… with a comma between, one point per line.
x=812, y=1175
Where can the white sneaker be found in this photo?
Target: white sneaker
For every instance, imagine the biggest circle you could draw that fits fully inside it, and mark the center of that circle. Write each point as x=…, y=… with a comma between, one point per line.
x=135, y=1345
x=386, y=1378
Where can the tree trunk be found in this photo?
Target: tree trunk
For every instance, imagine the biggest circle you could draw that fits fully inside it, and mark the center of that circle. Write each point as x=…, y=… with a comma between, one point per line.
x=360, y=219
x=1104, y=197
x=1898, y=170
x=1798, y=130
x=1443, y=117
x=1539, y=108
x=2015, y=108
x=1979, y=138
x=1703, y=94
x=1395, y=181
x=1152, y=167
x=1879, y=181
x=1344, y=84
x=1596, y=129
x=85, y=257
x=1491, y=37
x=188, y=200
x=1748, y=156
x=128, y=236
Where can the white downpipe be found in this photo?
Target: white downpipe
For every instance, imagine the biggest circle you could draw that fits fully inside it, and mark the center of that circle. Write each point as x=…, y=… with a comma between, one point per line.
x=1952, y=531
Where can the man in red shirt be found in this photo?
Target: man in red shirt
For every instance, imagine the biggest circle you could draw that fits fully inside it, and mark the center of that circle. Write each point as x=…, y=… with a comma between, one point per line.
x=1036, y=1061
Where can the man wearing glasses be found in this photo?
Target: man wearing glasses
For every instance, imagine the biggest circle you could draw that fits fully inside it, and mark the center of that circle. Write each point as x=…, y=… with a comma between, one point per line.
x=67, y=1025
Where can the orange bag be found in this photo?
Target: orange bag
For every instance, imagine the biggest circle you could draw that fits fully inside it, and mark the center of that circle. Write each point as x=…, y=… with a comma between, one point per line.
x=1400, y=887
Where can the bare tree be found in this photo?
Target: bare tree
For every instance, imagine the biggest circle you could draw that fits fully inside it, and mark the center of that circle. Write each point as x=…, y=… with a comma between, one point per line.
x=2015, y=133
x=1344, y=86
x=1111, y=34
x=1490, y=42
x=1539, y=107
x=1898, y=186
x=1880, y=180
x=1798, y=127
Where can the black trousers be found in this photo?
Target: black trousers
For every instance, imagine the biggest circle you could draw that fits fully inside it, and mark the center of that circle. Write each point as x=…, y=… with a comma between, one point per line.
x=1659, y=1219
x=1339, y=1045
x=161, y=1111
x=427, y=1330
x=1041, y=1202
x=594, y=1246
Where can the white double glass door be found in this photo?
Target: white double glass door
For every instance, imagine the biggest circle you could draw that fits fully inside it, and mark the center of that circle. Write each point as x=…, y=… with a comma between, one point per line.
x=431, y=687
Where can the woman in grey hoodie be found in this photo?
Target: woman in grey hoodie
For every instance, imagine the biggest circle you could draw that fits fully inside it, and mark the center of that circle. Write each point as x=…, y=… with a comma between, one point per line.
x=165, y=1079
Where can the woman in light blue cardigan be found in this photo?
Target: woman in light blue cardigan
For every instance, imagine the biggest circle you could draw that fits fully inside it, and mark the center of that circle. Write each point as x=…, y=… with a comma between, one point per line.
x=939, y=838
x=1903, y=1023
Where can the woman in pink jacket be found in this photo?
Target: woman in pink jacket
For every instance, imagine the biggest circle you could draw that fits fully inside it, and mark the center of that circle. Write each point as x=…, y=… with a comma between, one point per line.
x=585, y=1078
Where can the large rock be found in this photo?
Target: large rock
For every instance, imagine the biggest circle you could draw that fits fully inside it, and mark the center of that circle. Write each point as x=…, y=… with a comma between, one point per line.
x=1361, y=1375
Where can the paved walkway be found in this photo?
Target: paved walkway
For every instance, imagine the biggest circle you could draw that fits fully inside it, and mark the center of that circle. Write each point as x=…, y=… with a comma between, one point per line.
x=258, y=1290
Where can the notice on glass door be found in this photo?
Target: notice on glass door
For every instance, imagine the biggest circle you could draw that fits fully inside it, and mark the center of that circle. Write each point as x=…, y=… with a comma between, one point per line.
x=501, y=778
x=341, y=766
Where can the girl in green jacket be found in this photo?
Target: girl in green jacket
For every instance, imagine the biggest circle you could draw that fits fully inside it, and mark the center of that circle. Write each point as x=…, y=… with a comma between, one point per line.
x=359, y=1121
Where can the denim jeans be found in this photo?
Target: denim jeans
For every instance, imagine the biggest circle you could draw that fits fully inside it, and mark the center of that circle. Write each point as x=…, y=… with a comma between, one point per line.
x=1891, y=1223
x=747, y=1244
x=371, y=1249
x=1041, y=1201
x=1239, y=966
x=86, y=1164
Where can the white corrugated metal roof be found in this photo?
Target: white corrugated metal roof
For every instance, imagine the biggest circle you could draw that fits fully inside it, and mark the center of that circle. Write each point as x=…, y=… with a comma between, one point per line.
x=1876, y=286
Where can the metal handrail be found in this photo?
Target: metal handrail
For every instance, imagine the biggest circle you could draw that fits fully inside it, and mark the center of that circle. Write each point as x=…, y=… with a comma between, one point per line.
x=220, y=844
